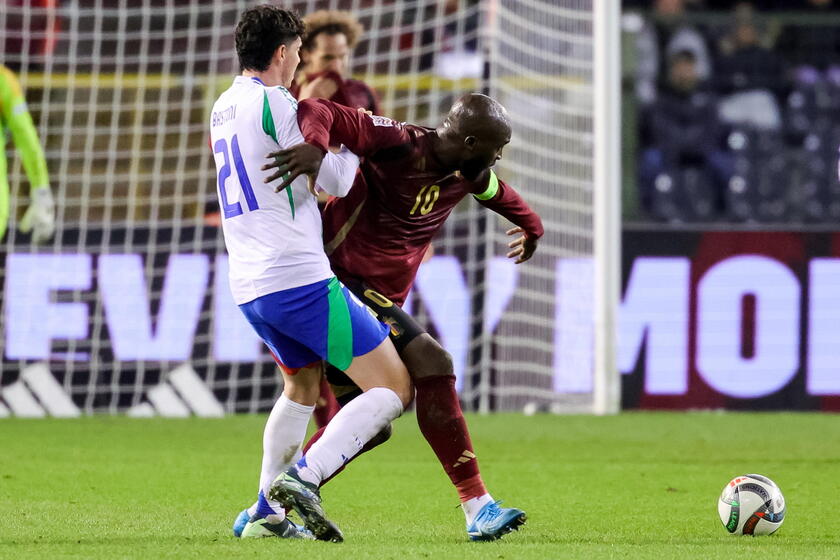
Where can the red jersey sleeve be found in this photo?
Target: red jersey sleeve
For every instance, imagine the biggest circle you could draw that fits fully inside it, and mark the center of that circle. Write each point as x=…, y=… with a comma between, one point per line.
x=504, y=200
x=324, y=124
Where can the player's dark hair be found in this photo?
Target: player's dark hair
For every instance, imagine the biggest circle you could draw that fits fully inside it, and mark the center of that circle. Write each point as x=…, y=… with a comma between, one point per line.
x=260, y=32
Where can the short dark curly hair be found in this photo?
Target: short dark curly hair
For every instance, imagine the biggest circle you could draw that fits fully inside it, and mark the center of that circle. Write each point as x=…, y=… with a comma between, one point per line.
x=260, y=32
x=331, y=22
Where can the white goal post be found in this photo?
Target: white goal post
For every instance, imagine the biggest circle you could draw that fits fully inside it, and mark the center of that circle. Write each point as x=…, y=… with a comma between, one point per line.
x=607, y=202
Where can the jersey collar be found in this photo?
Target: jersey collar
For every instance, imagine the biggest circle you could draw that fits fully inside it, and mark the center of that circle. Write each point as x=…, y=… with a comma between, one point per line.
x=249, y=79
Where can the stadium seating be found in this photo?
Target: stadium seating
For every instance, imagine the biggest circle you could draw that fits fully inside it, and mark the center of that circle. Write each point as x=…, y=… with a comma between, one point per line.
x=785, y=175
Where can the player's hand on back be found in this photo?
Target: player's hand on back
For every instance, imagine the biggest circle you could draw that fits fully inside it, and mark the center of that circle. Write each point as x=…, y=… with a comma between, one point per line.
x=522, y=247
x=291, y=163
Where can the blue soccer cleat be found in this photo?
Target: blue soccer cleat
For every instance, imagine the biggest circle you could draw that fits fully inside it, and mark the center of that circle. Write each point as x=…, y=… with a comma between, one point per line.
x=241, y=521
x=261, y=524
x=494, y=522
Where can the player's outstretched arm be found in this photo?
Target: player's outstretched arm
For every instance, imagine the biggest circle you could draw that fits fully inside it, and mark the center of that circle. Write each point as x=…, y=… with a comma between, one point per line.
x=504, y=200
x=324, y=124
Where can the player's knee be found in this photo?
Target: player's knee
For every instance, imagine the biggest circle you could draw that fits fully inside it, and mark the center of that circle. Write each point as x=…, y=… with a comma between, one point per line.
x=305, y=395
x=444, y=365
x=425, y=358
x=304, y=386
x=405, y=391
x=400, y=382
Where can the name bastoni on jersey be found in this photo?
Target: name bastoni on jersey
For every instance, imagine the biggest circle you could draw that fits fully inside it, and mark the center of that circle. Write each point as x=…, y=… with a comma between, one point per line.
x=223, y=116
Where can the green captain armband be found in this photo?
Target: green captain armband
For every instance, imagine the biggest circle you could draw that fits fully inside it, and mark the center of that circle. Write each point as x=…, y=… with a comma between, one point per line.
x=491, y=190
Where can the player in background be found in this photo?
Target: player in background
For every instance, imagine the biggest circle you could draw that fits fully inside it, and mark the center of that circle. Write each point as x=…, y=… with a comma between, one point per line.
x=14, y=116
x=331, y=36
x=412, y=178
x=282, y=282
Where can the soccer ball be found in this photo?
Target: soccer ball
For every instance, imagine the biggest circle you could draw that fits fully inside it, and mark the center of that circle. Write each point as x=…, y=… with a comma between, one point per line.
x=751, y=505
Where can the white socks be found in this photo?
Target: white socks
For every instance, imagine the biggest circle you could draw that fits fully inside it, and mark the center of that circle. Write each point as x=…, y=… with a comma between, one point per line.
x=473, y=506
x=282, y=439
x=354, y=425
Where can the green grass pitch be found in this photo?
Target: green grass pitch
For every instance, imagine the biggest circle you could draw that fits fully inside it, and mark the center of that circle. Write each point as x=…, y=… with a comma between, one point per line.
x=638, y=485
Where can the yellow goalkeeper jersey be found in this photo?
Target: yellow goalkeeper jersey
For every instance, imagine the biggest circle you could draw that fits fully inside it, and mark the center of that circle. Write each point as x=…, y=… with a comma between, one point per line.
x=15, y=118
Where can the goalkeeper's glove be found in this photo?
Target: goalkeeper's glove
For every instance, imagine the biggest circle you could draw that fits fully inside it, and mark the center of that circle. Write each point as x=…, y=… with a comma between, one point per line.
x=40, y=216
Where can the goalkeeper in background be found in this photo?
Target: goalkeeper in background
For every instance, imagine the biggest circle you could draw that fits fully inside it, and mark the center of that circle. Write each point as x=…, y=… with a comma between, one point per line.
x=14, y=116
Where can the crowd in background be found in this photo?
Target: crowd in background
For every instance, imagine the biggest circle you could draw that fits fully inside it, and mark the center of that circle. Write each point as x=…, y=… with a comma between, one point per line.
x=722, y=5
x=739, y=116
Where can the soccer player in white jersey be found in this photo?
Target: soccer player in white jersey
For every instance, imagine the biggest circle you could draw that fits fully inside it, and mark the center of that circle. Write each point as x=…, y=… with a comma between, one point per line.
x=281, y=279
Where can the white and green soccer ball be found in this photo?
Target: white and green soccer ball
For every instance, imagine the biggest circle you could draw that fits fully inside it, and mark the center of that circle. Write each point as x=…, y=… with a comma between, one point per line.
x=751, y=505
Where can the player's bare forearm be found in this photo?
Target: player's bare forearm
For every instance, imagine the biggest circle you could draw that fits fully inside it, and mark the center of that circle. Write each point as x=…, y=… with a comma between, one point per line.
x=291, y=163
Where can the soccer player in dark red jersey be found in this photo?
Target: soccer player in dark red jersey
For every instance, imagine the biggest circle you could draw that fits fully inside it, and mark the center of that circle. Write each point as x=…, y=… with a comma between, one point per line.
x=411, y=179
x=331, y=36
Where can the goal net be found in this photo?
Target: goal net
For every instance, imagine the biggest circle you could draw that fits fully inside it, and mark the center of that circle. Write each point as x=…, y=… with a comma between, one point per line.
x=127, y=309
x=546, y=352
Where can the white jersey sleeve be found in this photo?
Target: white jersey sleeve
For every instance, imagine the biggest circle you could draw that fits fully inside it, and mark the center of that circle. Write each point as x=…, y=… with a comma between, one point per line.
x=338, y=172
